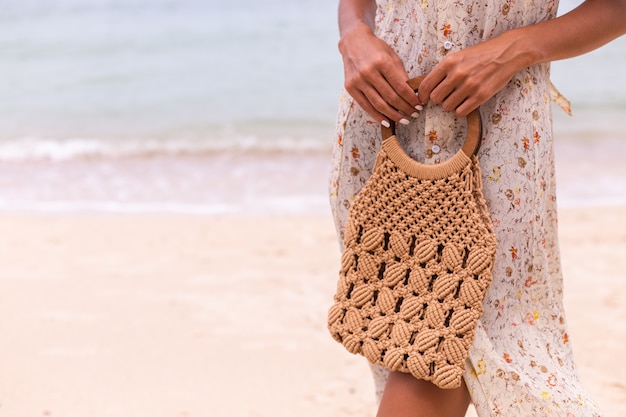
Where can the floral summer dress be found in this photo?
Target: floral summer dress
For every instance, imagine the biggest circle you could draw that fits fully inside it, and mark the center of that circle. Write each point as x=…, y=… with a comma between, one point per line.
x=521, y=361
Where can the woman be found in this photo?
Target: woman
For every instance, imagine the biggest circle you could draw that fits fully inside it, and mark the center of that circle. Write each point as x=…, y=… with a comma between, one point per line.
x=494, y=55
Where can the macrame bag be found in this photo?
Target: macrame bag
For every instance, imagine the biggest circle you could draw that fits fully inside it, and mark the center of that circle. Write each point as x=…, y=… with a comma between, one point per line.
x=418, y=259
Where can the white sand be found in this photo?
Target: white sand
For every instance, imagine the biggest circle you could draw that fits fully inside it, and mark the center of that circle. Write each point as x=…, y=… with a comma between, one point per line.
x=165, y=315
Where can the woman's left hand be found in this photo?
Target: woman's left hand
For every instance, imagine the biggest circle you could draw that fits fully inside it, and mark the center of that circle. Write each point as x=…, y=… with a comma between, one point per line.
x=464, y=80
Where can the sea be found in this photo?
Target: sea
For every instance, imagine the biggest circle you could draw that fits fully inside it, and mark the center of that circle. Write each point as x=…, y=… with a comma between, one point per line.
x=222, y=107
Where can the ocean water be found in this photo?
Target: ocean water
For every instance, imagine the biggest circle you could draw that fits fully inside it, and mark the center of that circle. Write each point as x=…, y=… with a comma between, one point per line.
x=221, y=107
x=192, y=73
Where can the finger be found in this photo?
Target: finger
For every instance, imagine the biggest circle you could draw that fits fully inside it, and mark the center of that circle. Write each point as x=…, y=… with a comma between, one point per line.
x=467, y=107
x=363, y=101
x=398, y=81
x=465, y=98
x=397, y=102
x=428, y=85
x=443, y=91
x=370, y=101
x=390, y=84
x=382, y=106
x=354, y=82
x=453, y=100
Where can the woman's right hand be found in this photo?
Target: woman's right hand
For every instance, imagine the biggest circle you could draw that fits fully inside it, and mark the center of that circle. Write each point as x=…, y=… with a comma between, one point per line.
x=375, y=77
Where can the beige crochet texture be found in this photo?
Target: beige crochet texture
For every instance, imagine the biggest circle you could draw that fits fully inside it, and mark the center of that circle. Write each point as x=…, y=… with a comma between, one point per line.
x=418, y=260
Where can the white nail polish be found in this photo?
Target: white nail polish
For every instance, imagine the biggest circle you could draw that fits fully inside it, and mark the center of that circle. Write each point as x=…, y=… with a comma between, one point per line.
x=419, y=107
x=385, y=123
x=415, y=115
x=404, y=122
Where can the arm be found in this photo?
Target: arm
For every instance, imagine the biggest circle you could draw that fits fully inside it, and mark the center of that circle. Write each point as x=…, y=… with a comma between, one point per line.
x=374, y=74
x=466, y=79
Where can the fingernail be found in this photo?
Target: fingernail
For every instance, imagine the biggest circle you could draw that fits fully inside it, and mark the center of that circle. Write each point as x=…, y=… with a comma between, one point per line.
x=415, y=115
x=385, y=123
x=419, y=107
x=404, y=122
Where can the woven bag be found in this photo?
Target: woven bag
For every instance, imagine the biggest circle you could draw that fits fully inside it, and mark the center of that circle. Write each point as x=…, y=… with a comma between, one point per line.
x=418, y=259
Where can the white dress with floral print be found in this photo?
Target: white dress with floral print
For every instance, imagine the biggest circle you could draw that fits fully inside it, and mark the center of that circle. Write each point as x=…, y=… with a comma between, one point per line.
x=521, y=361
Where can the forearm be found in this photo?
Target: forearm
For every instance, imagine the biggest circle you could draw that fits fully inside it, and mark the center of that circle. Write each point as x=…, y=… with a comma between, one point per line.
x=354, y=13
x=589, y=26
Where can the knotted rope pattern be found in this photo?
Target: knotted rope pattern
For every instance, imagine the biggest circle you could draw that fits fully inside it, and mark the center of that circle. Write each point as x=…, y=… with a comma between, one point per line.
x=418, y=259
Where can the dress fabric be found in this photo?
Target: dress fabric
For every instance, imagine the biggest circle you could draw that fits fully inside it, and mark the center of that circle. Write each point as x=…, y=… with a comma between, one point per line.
x=521, y=361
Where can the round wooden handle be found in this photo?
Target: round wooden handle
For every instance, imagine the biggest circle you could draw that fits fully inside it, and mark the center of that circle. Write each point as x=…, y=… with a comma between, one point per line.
x=474, y=125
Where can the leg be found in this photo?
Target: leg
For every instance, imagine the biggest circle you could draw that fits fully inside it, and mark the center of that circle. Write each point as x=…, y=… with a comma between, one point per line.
x=406, y=396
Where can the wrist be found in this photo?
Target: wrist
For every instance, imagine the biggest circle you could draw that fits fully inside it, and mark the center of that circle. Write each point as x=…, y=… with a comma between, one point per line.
x=524, y=47
x=513, y=51
x=357, y=30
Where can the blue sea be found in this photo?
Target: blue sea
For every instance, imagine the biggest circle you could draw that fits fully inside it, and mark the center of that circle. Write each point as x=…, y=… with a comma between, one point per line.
x=200, y=106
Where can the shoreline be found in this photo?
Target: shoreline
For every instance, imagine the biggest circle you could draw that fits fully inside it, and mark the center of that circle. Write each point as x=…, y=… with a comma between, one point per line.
x=251, y=182
x=177, y=315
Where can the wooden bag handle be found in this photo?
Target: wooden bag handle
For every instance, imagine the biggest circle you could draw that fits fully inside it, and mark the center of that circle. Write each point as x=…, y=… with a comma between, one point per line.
x=474, y=125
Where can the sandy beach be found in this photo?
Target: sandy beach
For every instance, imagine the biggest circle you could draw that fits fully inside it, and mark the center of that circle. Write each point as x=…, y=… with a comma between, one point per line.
x=166, y=247
x=172, y=315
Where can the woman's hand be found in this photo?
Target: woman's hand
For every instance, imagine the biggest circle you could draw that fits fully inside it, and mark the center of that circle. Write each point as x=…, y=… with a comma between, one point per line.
x=464, y=80
x=375, y=77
